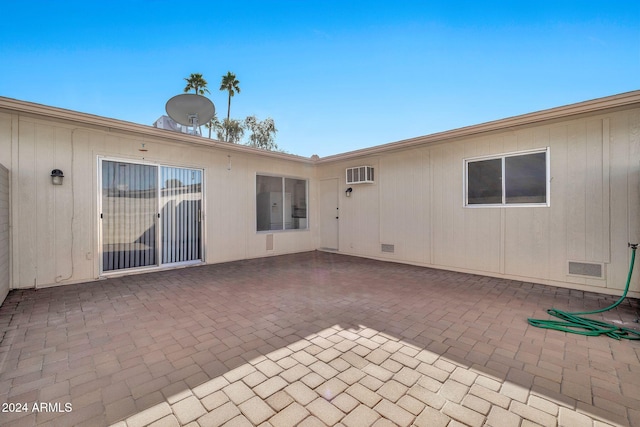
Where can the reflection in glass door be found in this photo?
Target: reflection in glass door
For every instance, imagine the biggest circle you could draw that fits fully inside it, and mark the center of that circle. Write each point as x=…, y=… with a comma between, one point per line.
x=129, y=215
x=181, y=201
x=150, y=215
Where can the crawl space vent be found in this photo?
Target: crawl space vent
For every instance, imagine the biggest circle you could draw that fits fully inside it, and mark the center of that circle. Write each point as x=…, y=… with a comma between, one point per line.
x=360, y=175
x=385, y=247
x=587, y=269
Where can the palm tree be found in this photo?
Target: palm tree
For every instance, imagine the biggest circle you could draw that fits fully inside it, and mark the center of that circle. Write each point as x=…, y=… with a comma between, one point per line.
x=230, y=84
x=197, y=83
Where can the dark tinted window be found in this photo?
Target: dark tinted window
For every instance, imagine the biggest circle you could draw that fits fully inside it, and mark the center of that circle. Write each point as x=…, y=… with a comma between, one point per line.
x=484, y=184
x=526, y=178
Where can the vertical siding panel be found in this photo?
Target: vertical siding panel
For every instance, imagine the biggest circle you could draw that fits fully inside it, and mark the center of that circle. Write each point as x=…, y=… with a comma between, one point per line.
x=594, y=230
x=558, y=142
x=63, y=206
x=435, y=201
x=4, y=233
x=404, y=213
x=26, y=239
x=525, y=140
x=482, y=245
x=621, y=166
x=509, y=143
x=389, y=176
x=8, y=135
x=575, y=220
x=452, y=220
x=372, y=206
x=606, y=196
x=424, y=189
x=228, y=233
x=442, y=218
x=84, y=178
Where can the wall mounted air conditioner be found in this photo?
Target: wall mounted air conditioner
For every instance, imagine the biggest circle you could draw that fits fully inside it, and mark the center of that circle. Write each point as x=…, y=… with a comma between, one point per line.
x=360, y=175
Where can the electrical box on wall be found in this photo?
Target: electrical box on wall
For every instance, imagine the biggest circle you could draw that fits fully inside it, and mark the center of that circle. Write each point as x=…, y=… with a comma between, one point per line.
x=360, y=175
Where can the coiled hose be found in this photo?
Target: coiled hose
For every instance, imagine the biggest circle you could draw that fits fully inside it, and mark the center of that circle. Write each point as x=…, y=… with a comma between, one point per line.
x=572, y=322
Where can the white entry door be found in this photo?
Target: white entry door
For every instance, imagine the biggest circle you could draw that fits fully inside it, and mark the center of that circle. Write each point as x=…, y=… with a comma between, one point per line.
x=329, y=214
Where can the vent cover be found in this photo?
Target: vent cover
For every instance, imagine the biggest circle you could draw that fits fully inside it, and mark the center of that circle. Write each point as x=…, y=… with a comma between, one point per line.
x=385, y=247
x=269, y=242
x=587, y=269
x=360, y=175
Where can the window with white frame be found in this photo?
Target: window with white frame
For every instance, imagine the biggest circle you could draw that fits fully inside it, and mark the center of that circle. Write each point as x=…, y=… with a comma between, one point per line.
x=514, y=179
x=281, y=203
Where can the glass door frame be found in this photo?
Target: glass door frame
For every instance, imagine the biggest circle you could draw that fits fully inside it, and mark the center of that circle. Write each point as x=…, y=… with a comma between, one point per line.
x=158, y=220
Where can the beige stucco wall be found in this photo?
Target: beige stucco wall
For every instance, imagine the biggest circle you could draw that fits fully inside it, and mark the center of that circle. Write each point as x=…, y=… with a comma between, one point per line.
x=56, y=232
x=416, y=204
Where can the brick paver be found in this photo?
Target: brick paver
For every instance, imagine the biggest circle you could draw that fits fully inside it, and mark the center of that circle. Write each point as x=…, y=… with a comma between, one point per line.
x=310, y=339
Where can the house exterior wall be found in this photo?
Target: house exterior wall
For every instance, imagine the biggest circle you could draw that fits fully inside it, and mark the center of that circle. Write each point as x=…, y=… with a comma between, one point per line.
x=417, y=204
x=56, y=228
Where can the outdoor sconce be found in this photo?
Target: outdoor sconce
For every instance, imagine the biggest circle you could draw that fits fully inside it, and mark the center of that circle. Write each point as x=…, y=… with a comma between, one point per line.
x=348, y=192
x=56, y=177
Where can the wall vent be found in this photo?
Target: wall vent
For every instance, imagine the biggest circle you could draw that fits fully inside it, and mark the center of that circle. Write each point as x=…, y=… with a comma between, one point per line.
x=385, y=247
x=360, y=175
x=269, y=242
x=586, y=269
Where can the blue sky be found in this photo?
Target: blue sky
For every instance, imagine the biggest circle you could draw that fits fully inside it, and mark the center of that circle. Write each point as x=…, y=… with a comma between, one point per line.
x=335, y=76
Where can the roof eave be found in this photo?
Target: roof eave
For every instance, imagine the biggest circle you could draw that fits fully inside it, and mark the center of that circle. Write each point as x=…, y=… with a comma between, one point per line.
x=89, y=120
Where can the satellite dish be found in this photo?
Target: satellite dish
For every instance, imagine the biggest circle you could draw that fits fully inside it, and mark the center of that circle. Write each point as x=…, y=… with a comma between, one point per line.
x=190, y=110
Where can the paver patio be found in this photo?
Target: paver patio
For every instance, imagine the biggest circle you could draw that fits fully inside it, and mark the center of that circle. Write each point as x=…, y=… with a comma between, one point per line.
x=311, y=339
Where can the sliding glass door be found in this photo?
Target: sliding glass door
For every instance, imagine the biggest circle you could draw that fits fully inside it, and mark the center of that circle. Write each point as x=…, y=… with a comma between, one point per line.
x=150, y=215
x=181, y=201
x=129, y=215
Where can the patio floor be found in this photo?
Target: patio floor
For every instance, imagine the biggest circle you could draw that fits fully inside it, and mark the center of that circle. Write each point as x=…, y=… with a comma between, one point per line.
x=310, y=339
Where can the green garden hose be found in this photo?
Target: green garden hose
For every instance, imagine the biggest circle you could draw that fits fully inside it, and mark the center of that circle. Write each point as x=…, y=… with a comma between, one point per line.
x=575, y=324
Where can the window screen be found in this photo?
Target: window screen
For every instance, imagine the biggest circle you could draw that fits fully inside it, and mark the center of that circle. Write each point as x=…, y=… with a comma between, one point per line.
x=484, y=182
x=526, y=178
x=510, y=179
